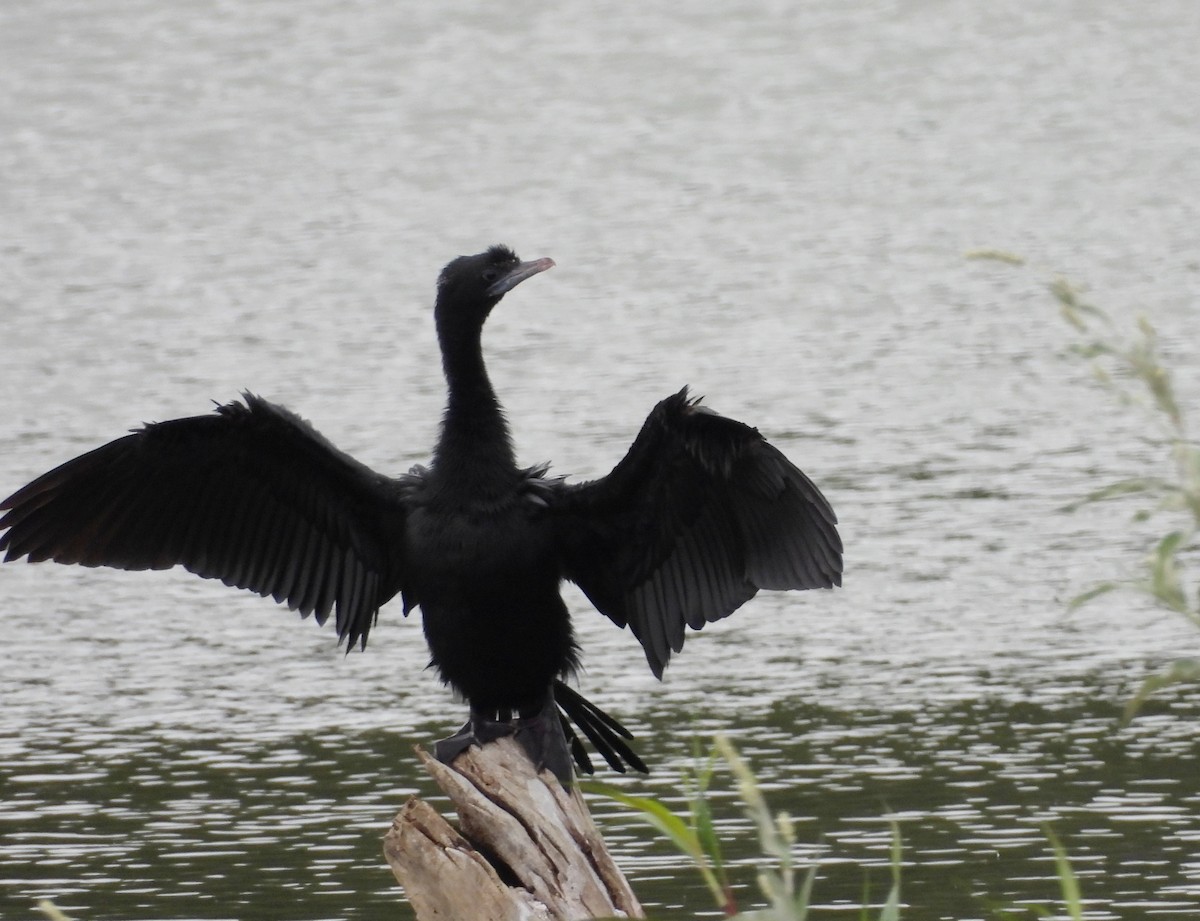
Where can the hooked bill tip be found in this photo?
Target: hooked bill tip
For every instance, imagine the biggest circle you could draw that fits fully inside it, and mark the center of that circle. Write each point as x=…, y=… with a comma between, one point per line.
x=518, y=274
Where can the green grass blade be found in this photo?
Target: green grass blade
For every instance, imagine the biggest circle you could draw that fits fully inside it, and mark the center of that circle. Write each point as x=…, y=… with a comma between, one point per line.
x=1164, y=574
x=1181, y=671
x=995, y=255
x=1094, y=592
x=804, y=896
x=1128, y=487
x=752, y=798
x=891, y=908
x=671, y=825
x=656, y=814
x=1066, y=878
x=706, y=833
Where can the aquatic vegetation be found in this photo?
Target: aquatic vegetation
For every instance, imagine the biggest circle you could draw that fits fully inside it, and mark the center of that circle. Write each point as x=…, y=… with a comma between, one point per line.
x=1129, y=365
x=1131, y=368
x=694, y=835
x=1071, y=896
x=786, y=887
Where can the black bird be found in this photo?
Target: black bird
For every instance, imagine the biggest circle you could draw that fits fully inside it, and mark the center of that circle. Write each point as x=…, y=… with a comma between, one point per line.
x=698, y=516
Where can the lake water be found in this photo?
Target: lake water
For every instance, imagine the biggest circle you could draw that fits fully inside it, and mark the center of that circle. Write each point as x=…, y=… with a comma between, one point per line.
x=769, y=201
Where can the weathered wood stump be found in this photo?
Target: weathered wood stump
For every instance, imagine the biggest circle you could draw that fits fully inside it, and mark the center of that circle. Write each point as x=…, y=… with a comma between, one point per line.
x=526, y=849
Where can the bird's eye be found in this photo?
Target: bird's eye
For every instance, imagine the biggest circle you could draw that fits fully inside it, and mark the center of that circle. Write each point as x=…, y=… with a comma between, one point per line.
x=490, y=275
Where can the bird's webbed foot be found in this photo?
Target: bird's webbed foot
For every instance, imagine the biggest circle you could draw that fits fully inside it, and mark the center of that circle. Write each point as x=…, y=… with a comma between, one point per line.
x=540, y=733
x=449, y=748
x=542, y=737
x=480, y=729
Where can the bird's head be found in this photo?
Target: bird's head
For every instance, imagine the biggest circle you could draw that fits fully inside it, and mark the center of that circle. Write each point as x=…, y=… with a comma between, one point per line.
x=473, y=285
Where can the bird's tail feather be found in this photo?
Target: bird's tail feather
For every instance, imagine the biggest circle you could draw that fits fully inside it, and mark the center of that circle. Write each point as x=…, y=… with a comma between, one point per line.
x=602, y=730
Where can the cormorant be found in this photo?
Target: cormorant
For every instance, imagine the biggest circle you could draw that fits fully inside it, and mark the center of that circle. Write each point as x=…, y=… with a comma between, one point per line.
x=698, y=516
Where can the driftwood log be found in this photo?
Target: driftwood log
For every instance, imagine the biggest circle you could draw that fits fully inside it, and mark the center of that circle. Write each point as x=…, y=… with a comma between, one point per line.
x=526, y=849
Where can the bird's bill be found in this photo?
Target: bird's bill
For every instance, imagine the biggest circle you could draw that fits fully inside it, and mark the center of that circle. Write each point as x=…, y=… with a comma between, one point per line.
x=518, y=274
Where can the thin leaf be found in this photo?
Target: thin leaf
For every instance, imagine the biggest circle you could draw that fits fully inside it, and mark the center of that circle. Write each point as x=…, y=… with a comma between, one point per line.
x=1164, y=574
x=700, y=812
x=1066, y=878
x=804, y=896
x=1159, y=382
x=1094, y=592
x=1187, y=459
x=656, y=814
x=752, y=798
x=662, y=818
x=1181, y=671
x=51, y=911
x=995, y=255
x=891, y=908
x=1075, y=311
x=1127, y=487
x=1093, y=350
x=706, y=833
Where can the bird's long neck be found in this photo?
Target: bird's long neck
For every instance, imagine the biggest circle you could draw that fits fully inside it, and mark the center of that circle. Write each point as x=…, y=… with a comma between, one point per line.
x=474, y=452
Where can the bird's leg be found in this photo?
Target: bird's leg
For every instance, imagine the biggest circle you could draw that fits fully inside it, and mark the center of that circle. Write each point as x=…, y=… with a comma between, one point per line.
x=482, y=727
x=541, y=735
x=446, y=750
x=539, y=731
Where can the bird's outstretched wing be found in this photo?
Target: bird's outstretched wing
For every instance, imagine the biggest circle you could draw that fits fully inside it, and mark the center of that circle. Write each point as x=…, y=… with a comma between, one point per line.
x=698, y=516
x=251, y=495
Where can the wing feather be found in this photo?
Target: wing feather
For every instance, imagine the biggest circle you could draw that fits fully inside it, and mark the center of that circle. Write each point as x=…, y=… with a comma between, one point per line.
x=251, y=495
x=698, y=516
x=308, y=576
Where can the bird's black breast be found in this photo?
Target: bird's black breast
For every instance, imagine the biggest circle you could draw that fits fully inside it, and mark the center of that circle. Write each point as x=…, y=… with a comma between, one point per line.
x=486, y=579
x=465, y=554
x=467, y=545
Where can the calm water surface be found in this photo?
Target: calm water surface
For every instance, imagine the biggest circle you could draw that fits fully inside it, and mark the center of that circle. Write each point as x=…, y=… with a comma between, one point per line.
x=769, y=201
